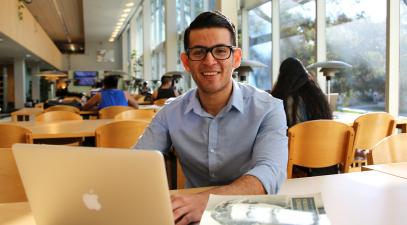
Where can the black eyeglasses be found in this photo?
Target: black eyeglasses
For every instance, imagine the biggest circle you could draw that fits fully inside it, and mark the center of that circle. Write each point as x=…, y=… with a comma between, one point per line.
x=220, y=52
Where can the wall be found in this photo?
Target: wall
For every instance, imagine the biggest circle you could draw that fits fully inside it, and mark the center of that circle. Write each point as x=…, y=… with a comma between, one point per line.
x=28, y=33
x=89, y=61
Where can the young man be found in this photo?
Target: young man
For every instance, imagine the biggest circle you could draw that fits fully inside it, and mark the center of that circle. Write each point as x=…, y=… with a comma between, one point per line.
x=226, y=134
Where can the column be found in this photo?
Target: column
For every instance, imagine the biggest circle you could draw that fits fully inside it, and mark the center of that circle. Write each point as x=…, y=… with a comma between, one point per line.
x=19, y=83
x=229, y=8
x=146, y=40
x=275, y=40
x=35, y=83
x=171, y=55
x=321, y=40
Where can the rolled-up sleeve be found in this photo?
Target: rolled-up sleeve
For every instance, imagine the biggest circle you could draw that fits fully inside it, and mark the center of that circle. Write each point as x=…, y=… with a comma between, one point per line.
x=270, y=150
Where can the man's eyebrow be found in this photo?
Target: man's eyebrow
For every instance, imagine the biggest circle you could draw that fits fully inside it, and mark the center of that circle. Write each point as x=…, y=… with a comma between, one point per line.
x=201, y=46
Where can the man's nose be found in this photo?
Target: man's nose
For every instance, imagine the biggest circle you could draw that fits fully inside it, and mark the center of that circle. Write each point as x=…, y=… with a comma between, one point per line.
x=209, y=59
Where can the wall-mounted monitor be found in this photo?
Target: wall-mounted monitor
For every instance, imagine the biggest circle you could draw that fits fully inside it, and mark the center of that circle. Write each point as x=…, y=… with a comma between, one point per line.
x=85, y=78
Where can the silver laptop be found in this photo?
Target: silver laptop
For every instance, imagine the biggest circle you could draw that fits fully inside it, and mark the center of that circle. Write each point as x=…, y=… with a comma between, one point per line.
x=82, y=185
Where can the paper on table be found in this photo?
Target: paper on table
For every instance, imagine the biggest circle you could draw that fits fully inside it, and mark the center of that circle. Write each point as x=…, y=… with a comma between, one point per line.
x=264, y=209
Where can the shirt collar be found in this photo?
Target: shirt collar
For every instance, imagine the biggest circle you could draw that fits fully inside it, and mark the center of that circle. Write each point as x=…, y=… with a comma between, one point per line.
x=236, y=101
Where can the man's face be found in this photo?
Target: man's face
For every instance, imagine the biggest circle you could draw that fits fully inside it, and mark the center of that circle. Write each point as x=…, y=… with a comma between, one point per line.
x=211, y=75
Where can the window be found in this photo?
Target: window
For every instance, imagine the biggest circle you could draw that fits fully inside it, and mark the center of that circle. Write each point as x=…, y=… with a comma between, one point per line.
x=260, y=49
x=157, y=39
x=297, y=30
x=356, y=34
x=403, y=56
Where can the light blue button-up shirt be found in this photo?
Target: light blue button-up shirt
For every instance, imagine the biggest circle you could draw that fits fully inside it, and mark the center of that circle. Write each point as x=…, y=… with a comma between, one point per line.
x=248, y=136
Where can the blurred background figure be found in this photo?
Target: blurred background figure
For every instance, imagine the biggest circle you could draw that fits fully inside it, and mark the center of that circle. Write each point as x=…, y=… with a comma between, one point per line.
x=145, y=89
x=110, y=95
x=303, y=101
x=166, y=89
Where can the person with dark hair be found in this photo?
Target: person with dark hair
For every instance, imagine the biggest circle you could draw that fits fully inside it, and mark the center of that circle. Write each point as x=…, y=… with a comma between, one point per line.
x=226, y=134
x=166, y=89
x=303, y=101
x=110, y=95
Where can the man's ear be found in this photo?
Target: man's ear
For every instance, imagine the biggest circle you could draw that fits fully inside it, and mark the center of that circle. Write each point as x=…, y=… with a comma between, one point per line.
x=237, y=57
x=185, y=62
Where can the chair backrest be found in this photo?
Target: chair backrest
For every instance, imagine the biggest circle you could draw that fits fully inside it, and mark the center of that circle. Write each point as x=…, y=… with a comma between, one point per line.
x=160, y=102
x=57, y=116
x=120, y=134
x=111, y=111
x=391, y=149
x=372, y=127
x=146, y=114
x=11, y=188
x=320, y=143
x=11, y=134
x=62, y=108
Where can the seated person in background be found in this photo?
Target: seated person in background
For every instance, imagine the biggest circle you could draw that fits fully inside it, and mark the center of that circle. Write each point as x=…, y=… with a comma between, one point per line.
x=303, y=101
x=225, y=133
x=166, y=90
x=110, y=96
x=145, y=89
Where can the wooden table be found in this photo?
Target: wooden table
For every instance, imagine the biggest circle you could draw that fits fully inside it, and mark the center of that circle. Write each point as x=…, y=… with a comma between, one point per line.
x=395, y=169
x=63, y=129
x=370, y=197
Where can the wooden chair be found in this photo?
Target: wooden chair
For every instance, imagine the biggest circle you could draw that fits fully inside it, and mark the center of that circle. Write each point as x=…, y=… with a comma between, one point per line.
x=11, y=187
x=63, y=108
x=144, y=114
x=320, y=143
x=111, y=111
x=57, y=116
x=369, y=129
x=120, y=134
x=391, y=149
x=160, y=102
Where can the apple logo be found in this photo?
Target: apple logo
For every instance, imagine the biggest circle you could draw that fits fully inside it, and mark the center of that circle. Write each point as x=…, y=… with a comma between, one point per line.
x=91, y=201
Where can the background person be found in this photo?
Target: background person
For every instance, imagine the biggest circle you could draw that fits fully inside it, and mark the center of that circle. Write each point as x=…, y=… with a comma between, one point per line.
x=225, y=133
x=110, y=96
x=166, y=89
x=303, y=101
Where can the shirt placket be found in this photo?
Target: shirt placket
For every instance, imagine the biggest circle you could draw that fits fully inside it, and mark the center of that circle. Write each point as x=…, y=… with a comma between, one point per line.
x=212, y=158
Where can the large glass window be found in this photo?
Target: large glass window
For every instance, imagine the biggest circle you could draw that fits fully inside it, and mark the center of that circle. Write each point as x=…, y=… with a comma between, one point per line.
x=403, y=56
x=260, y=48
x=297, y=30
x=138, y=64
x=356, y=34
x=157, y=39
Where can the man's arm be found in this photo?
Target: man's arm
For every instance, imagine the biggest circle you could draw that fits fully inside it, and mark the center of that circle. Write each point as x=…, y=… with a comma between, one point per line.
x=132, y=102
x=92, y=101
x=188, y=208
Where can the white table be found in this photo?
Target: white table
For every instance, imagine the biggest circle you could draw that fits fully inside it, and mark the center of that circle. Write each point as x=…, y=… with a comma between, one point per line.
x=372, y=197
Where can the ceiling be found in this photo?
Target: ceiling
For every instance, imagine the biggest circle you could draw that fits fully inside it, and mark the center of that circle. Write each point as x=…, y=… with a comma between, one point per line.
x=70, y=24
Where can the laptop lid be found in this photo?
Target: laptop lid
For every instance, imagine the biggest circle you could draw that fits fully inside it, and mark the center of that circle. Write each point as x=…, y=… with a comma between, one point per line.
x=82, y=185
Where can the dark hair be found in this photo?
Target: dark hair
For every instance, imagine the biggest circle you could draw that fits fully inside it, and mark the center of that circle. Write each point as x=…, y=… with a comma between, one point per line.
x=211, y=19
x=110, y=82
x=294, y=81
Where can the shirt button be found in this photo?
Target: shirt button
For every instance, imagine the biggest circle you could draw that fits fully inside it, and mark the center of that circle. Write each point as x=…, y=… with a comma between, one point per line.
x=212, y=150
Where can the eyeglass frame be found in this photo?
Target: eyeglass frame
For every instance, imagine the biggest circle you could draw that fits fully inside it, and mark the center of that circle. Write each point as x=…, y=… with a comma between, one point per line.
x=210, y=49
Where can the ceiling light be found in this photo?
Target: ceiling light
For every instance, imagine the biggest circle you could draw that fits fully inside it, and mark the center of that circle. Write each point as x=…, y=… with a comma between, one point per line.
x=111, y=39
x=127, y=10
x=130, y=4
x=122, y=19
x=119, y=23
x=124, y=15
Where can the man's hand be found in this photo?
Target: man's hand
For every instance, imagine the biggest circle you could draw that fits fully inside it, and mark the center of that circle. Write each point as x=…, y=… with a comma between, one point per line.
x=188, y=208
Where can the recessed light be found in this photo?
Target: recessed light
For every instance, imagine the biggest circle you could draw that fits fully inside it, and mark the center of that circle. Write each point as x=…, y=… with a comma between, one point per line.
x=111, y=39
x=122, y=19
x=124, y=15
x=127, y=10
x=130, y=4
x=119, y=23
